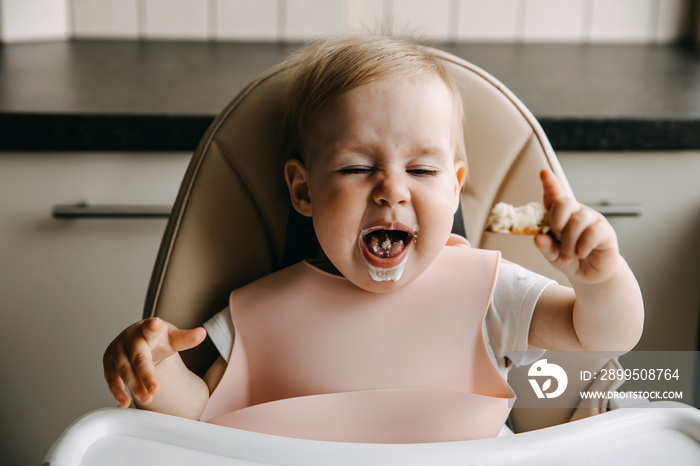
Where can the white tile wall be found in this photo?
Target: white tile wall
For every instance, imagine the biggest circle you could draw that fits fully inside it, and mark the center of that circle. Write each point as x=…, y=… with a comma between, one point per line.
x=177, y=19
x=555, y=20
x=26, y=20
x=303, y=19
x=108, y=19
x=419, y=18
x=247, y=20
x=366, y=16
x=596, y=21
x=623, y=21
x=495, y=21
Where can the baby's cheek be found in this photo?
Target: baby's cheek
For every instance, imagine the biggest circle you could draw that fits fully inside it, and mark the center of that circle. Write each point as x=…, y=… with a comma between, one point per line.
x=439, y=215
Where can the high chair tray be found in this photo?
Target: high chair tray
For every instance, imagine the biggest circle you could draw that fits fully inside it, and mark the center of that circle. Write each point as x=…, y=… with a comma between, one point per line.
x=662, y=433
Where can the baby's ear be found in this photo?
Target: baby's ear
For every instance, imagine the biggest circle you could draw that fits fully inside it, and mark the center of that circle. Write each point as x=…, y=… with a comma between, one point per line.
x=461, y=175
x=297, y=177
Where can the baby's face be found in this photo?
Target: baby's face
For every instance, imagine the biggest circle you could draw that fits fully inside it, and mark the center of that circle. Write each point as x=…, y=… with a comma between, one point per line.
x=383, y=184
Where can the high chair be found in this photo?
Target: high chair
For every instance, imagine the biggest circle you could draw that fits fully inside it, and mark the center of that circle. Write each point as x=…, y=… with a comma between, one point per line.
x=232, y=223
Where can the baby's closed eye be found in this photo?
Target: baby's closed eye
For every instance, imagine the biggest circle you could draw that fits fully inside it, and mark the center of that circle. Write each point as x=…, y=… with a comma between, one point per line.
x=423, y=171
x=360, y=170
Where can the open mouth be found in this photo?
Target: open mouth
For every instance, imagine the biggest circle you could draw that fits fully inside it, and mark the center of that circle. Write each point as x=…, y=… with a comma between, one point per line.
x=385, y=246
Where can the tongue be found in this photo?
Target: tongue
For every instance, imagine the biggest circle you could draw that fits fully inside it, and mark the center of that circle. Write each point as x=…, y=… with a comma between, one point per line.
x=386, y=243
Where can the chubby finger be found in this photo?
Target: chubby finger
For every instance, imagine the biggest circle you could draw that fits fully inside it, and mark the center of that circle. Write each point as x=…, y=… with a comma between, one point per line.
x=549, y=248
x=152, y=329
x=132, y=380
x=182, y=340
x=579, y=222
x=553, y=189
x=141, y=360
x=129, y=378
x=116, y=385
x=597, y=236
x=560, y=212
x=155, y=333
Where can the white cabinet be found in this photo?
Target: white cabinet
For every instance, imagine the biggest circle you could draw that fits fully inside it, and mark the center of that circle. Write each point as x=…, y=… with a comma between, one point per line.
x=67, y=287
x=662, y=246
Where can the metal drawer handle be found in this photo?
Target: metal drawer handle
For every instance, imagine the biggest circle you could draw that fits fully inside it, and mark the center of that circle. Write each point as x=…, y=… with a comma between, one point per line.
x=618, y=210
x=86, y=211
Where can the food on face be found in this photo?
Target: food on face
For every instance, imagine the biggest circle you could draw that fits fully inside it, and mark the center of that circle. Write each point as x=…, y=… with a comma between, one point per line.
x=385, y=248
x=529, y=219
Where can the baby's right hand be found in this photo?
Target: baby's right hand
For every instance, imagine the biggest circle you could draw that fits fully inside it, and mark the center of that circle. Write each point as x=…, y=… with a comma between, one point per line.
x=130, y=360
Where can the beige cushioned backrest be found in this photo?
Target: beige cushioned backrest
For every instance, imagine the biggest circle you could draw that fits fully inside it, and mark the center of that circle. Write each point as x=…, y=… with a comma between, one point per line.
x=229, y=222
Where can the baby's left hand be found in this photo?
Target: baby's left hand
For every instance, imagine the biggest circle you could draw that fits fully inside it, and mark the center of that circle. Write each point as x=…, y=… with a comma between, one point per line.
x=586, y=247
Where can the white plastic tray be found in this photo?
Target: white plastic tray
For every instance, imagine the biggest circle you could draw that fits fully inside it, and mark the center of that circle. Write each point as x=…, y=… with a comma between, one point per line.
x=661, y=433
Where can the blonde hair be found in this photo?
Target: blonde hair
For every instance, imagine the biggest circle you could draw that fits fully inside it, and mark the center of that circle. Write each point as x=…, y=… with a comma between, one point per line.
x=326, y=68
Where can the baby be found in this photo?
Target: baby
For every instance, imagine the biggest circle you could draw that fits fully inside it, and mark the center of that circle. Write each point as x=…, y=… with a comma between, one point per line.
x=381, y=339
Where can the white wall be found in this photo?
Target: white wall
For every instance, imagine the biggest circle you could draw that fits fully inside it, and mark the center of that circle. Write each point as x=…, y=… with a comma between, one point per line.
x=572, y=21
x=24, y=20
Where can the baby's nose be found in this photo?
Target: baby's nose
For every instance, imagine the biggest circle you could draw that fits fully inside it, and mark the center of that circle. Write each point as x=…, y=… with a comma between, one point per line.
x=391, y=190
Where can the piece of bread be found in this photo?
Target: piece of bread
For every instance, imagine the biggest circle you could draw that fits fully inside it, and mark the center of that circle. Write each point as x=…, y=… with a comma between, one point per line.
x=529, y=219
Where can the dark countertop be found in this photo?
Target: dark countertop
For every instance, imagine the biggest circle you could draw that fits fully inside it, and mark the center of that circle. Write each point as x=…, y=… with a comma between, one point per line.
x=124, y=95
